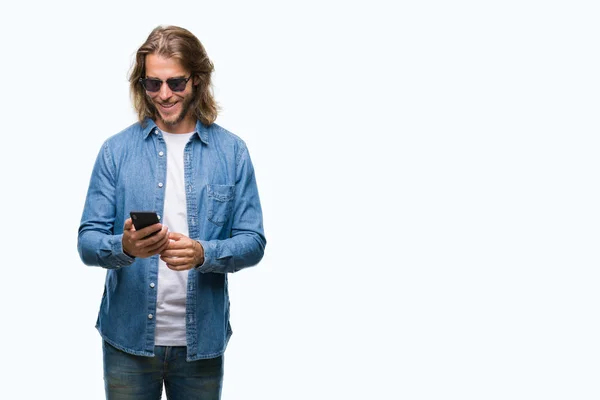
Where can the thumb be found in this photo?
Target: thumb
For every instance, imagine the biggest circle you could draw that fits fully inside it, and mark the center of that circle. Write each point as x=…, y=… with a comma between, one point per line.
x=128, y=224
x=175, y=235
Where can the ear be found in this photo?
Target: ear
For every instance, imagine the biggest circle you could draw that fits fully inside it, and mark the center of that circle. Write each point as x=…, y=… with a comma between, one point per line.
x=196, y=80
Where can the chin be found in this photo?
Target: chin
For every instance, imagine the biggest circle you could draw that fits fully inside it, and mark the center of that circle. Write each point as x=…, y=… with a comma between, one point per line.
x=170, y=119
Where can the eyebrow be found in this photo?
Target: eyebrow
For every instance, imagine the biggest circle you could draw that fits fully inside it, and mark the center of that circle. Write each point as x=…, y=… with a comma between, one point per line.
x=173, y=77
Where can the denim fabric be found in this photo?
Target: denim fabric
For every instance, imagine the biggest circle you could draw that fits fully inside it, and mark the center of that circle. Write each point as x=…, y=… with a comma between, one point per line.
x=129, y=377
x=224, y=215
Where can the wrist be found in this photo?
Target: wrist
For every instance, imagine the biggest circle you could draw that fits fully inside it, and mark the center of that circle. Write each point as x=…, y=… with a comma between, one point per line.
x=199, y=254
x=127, y=253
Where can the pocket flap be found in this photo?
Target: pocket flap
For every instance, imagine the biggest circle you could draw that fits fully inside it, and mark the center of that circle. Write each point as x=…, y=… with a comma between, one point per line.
x=220, y=192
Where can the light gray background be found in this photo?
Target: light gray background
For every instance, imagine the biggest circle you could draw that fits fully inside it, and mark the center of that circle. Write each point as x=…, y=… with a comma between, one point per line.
x=428, y=172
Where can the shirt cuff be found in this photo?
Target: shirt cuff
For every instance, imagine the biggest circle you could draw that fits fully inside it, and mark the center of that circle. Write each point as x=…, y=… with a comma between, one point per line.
x=120, y=258
x=209, y=255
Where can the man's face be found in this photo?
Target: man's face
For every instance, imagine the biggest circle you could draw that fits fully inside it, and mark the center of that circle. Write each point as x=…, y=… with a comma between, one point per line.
x=172, y=106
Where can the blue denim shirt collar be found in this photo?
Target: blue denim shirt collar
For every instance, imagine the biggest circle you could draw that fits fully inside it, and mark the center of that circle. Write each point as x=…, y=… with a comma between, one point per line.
x=201, y=130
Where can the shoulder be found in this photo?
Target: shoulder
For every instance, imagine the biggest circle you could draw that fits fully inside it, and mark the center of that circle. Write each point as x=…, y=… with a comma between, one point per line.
x=124, y=143
x=219, y=134
x=131, y=136
x=131, y=133
x=225, y=140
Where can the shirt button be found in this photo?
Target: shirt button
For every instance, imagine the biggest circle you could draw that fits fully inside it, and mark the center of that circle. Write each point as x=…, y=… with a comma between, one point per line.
x=151, y=284
x=160, y=153
x=150, y=316
x=160, y=184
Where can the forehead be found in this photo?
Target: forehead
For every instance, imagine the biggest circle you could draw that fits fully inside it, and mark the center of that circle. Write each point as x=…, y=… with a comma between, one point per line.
x=163, y=68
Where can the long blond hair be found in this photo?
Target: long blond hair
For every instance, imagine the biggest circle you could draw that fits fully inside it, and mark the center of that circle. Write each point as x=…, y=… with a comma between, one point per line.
x=181, y=44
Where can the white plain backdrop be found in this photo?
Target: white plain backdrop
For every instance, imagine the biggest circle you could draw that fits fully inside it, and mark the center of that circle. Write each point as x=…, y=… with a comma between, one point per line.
x=428, y=172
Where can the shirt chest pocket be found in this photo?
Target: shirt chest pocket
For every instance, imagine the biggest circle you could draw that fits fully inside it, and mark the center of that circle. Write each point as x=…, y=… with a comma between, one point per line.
x=220, y=202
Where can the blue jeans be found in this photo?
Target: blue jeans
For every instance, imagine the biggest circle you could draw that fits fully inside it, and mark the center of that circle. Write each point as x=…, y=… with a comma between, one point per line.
x=128, y=377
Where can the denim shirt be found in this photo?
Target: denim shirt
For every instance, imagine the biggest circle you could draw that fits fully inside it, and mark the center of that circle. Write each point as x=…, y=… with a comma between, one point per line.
x=223, y=213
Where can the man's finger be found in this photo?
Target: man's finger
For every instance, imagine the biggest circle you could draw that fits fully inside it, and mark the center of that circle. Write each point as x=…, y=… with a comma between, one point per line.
x=181, y=267
x=177, y=260
x=185, y=252
x=175, y=235
x=158, y=245
x=178, y=245
x=128, y=224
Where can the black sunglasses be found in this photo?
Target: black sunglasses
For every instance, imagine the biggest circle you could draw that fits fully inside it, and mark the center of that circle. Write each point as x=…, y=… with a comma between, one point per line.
x=175, y=84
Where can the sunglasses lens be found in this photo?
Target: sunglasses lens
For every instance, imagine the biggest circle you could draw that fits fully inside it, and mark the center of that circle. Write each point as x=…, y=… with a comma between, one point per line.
x=152, y=85
x=177, y=84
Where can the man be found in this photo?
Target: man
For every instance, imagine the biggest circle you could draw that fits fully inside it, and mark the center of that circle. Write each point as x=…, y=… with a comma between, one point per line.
x=164, y=315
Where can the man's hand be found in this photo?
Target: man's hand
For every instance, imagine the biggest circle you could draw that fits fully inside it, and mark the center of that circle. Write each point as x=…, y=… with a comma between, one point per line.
x=182, y=253
x=136, y=244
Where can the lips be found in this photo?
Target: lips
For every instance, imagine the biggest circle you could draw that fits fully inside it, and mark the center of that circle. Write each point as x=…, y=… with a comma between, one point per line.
x=168, y=108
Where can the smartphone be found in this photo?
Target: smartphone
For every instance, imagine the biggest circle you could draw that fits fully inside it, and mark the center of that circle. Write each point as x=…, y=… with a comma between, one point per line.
x=142, y=219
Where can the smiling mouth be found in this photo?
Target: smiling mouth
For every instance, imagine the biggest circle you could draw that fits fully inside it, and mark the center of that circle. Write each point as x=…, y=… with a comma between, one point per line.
x=167, y=105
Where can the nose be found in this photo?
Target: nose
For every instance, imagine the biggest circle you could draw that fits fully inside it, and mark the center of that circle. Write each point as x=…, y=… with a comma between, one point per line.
x=165, y=91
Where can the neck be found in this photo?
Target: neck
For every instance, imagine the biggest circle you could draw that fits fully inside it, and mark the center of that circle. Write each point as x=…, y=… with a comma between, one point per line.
x=186, y=125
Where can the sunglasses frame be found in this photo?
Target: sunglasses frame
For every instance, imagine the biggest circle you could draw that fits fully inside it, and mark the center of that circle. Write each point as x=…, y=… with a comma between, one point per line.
x=169, y=81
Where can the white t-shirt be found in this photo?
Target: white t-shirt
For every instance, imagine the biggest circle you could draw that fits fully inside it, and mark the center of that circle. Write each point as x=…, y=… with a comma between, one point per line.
x=172, y=285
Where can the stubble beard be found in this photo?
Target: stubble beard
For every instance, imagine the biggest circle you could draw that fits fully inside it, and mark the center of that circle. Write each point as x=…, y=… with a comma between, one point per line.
x=185, y=109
